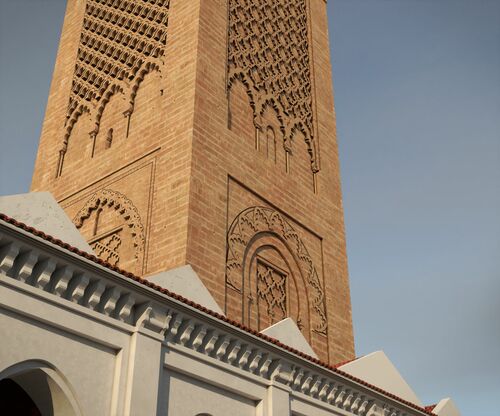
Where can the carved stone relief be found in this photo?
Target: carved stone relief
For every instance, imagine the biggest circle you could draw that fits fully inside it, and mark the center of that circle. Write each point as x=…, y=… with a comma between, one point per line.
x=120, y=42
x=263, y=222
x=107, y=234
x=272, y=290
x=268, y=51
x=107, y=248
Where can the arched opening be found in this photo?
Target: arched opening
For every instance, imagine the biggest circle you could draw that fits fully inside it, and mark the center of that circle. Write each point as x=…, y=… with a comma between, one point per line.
x=34, y=388
x=15, y=401
x=270, y=148
x=272, y=140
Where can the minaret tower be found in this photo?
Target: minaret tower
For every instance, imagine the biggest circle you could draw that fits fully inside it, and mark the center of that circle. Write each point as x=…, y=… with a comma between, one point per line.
x=202, y=132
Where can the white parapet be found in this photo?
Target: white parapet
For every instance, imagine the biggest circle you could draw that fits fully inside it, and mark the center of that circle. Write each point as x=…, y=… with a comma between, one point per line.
x=287, y=332
x=41, y=211
x=446, y=407
x=117, y=343
x=377, y=369
x=185, y=281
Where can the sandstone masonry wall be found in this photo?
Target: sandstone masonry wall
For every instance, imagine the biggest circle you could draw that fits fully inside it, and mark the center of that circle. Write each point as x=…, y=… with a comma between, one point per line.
x=203, y=132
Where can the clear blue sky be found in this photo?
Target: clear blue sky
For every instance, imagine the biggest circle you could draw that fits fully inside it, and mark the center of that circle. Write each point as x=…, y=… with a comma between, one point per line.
x=417, y=90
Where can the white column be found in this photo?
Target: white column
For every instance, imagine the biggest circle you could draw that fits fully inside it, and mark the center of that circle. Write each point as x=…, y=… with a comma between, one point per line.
x=143, y=381
x=278, y=400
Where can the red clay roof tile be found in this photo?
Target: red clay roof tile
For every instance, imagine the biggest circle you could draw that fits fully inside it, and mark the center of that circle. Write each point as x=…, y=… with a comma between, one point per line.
x=333, y=368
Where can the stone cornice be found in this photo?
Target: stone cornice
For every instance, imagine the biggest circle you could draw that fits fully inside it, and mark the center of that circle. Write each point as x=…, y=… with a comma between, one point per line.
x=48, y=266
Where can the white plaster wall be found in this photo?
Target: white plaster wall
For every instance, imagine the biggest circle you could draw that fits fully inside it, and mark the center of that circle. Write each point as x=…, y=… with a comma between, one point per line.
x=446, y=407
x=156, y=366
x=377, y=369
x=225, y=387
x=87, y=353
x=41, y=211
x=287, y=332
x=304, y=406
x=88, y=368
x=190, y=397
x=185, y=281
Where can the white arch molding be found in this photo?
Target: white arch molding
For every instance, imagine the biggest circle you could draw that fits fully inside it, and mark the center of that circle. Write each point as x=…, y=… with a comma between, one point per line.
x=47, y=387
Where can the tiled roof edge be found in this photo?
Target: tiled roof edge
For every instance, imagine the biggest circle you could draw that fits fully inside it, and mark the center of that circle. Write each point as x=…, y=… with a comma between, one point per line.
x=91, y=257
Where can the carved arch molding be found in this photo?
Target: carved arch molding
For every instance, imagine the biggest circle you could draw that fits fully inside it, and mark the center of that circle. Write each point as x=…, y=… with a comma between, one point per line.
x=268, y=51
x=121, y=41
x=260, y=222
x=125, y=214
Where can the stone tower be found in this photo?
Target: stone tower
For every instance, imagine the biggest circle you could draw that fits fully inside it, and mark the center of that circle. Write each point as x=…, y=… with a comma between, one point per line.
x=202, y=132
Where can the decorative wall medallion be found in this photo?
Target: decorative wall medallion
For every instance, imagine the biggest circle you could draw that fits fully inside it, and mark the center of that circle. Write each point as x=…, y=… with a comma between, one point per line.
x=259, y=221
x=268, y=51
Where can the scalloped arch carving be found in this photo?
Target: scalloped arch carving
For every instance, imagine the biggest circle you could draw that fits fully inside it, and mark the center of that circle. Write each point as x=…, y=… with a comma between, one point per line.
x=110, y=93
x=124, y=207
x=149, y=68
x=268, y=50
x=120, y=42
x=256, y=221
x=119, y=38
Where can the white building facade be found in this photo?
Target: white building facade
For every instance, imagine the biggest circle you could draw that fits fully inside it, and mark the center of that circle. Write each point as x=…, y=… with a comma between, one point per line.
x=81, y=338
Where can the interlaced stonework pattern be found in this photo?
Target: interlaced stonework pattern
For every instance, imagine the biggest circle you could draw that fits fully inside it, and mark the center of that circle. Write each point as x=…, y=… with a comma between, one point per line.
x=107, y=248
x=120, y=39
x=260, y=221
x=268, y=51
x=271, y=288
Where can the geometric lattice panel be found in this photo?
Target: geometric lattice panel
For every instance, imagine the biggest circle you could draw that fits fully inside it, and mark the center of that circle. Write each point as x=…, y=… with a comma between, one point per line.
x=272, y=290
x=118, y=38
x=269, y=51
